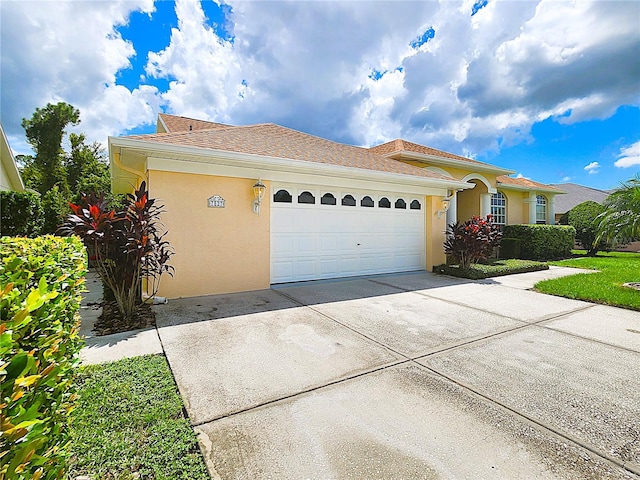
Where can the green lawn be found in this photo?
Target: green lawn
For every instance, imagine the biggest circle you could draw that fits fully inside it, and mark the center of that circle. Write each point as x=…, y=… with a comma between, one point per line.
x=129, y=423
x=615, y=268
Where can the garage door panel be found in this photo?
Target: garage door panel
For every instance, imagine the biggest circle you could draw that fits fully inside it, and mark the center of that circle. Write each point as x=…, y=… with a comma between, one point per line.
x=323, y=241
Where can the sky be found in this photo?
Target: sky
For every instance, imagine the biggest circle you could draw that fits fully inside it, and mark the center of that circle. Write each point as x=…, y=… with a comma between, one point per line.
x=549, y=89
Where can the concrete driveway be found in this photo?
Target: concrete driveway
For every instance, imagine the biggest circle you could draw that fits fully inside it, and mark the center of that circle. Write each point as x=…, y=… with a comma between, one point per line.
x=408, y=376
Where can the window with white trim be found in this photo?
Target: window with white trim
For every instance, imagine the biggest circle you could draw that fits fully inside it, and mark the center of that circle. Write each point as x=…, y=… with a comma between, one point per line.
x=499, y=209
x=541, y=209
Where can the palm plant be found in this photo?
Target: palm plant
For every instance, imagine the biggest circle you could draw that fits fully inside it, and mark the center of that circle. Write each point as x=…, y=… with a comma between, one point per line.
x=620, y=222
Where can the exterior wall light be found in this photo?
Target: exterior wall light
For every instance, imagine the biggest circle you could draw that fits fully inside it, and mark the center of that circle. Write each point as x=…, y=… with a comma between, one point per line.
x=259, y=189
x=444, y=207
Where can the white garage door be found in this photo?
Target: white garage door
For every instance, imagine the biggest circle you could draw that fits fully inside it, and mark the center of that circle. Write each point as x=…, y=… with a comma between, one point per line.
x=325, y=233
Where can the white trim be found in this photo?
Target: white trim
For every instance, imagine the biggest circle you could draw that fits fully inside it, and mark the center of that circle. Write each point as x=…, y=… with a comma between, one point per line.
x=477, y=176
x=508, y=186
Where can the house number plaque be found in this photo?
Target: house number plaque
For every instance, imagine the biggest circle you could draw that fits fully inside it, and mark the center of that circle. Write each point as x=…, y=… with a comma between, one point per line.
x=216, y=202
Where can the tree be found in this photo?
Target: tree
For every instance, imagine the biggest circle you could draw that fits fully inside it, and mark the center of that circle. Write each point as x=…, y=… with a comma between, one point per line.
x=87, y=168
x=620, y=222
x=45, y=131
x=582, y=217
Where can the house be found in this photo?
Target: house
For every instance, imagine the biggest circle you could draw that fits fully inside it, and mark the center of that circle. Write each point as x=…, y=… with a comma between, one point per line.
x=251, y=206
x=575, y=195
x=10, y=178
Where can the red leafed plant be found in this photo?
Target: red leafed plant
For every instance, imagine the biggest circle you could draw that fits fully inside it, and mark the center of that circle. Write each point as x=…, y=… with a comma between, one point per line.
x=472, y=240
x=126, y=244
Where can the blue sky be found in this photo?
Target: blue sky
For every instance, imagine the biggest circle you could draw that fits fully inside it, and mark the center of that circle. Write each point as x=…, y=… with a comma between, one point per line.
x=549, y=89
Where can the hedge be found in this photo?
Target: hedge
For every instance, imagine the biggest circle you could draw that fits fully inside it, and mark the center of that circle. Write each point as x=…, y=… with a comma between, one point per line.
x=510, y=248
x=496, y=268
x=21, y=214
x=542, y=242
x=40, y=284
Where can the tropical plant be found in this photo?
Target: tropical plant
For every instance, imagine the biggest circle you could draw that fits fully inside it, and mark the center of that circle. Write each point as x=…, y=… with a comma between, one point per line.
x=582, y=217
x=127, y=245
x=620, y=222
x=472, y=240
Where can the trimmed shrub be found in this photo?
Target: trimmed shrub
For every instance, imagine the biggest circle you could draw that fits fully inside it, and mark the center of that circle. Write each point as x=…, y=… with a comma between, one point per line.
x=542, y=242
x=40, y=284
x=510, y=248
x=21, y=214
x=582, y=217
x=496, y=268
x=471, y=241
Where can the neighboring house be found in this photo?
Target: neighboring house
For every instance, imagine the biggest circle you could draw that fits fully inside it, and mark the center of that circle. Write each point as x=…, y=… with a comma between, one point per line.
x=575, y=195
x=9, y=174
x=330, y=210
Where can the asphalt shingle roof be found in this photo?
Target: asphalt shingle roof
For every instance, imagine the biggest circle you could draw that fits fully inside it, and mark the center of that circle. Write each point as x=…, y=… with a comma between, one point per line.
x=576, y=194
x=525, y=182
x=176, y=123
x=276, y=141
x=399, y=146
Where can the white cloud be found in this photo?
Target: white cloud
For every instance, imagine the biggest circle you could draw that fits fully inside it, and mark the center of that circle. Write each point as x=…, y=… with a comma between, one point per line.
x=565, y=179
x=629, y=156
x=480, y=83
x=68, y=51
x=592, y=168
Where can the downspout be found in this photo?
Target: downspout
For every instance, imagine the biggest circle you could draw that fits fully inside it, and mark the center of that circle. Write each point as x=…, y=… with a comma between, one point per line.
x=116, y=160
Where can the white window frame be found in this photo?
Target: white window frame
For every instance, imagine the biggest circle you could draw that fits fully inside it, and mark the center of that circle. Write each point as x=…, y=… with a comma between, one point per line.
x=541, y=209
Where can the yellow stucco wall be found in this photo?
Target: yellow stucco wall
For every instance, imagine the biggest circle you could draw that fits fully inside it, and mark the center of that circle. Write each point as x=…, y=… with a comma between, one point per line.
x=217, y=250
x=517, y=211
x=436, y=232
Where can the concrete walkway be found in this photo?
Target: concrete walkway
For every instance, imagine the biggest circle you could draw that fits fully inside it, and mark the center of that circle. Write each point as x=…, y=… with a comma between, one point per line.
x=404, y=376
x=108, y=348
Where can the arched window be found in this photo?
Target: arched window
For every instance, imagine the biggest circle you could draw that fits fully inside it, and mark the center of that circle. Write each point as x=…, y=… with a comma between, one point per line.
x=415, y=205
x=541, y=209
x=366, y=201
x=306, y=197
x=384, y=203
x=499, y=209
x=328, y=199
x=282, y=196
x=400, y=203
x=348, y=201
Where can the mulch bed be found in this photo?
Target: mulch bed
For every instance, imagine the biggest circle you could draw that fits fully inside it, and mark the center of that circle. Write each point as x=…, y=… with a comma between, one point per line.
x=110, y=320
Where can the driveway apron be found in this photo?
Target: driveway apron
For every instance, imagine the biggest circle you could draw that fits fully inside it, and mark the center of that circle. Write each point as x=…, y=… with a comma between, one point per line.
x=407, y=376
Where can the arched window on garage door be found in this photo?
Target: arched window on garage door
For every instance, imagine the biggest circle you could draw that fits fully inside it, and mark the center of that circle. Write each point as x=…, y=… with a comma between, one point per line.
x=282, y=196
x=307, y=197
x=348, y=201
x=416, y=205
x=400, y=203
x=366, y=201
x=384, y=203
x=328, y=199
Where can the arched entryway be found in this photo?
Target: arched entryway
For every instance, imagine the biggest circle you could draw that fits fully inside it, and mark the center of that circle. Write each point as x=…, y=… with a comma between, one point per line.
x=476, y=200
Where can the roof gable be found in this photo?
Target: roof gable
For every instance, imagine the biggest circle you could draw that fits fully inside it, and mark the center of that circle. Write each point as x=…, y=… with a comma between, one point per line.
x=576, y=194
x=174, y=123
x=525, y=183
x=399, y=146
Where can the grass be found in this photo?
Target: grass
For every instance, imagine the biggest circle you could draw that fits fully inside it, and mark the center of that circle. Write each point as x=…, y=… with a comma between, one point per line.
x=494, y=268
x=129, y=423
x=605, y=286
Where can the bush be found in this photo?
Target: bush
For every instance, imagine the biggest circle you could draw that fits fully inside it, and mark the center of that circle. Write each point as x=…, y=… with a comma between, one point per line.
x=582, y=217
x=127, y=245
x=56, y=210
x=491, y=269
x=471, y=241
x=40, y=284
x=510, y=248
x=21, y=214
x=542, y=242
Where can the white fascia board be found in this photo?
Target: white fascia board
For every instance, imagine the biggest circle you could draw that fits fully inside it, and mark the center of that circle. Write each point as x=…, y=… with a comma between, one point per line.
x=451, y=162
x=198, y=160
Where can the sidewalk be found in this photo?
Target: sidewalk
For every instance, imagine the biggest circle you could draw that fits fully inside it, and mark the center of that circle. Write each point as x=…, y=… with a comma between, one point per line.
x=108, y=348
